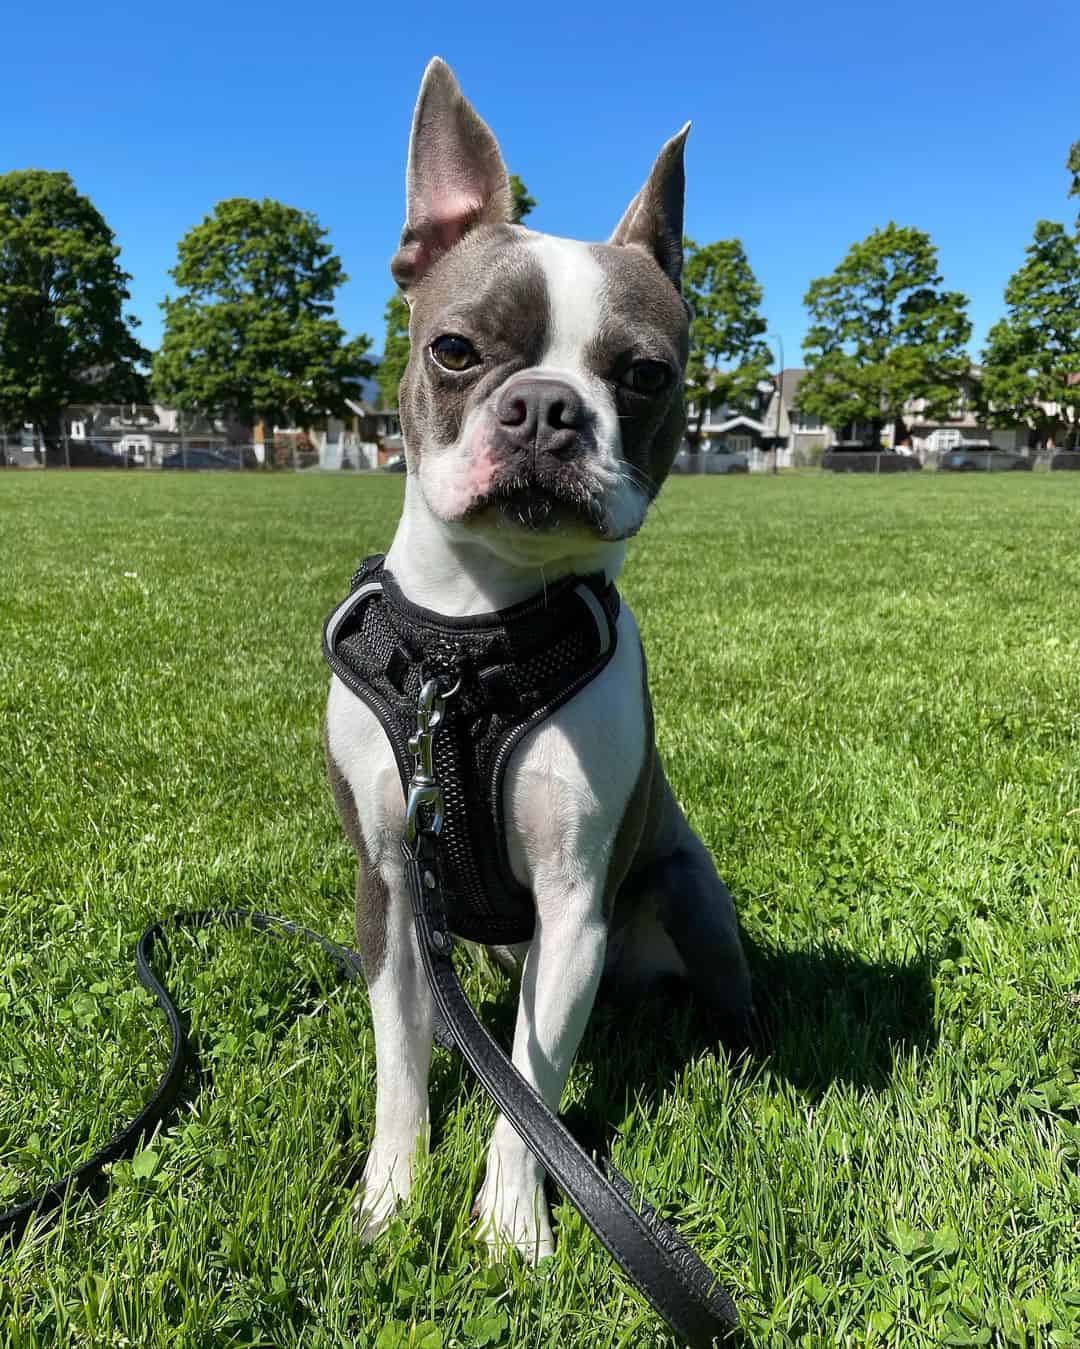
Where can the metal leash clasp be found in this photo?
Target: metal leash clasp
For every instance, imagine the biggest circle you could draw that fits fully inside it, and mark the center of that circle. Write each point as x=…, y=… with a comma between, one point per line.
x=424, y=791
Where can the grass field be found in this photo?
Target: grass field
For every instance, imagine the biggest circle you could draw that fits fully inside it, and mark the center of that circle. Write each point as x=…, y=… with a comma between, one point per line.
x=868, y=698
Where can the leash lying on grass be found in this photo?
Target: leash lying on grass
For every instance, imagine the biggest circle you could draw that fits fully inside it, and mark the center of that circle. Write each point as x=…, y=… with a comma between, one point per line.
x=126, y=1142
x=678, y=1284
x=675, y=1281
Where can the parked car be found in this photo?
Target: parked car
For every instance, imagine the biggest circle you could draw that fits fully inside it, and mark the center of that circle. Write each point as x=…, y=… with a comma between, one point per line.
x=1066, y=459
x=981, y=455
x=716, y=460
x=395, y=464
x=723, y=460
x=97, y=454
x=195, y=458
x=853, y=456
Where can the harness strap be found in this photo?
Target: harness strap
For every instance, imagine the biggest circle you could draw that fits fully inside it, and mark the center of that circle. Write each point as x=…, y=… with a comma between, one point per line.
x=670, y=1275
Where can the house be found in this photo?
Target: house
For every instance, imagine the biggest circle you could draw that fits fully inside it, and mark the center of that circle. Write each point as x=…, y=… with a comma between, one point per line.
x=738, y=431
x=772, y=423
x=364, y=435
x=928, y=436
x=802, y=437
x=141, y=434
x=799, y=437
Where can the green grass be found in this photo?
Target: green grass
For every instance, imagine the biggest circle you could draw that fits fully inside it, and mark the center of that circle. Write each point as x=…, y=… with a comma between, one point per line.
x=868, y=697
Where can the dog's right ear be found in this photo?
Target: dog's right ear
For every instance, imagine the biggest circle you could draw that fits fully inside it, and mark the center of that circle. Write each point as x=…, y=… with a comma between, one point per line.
x=456, y=178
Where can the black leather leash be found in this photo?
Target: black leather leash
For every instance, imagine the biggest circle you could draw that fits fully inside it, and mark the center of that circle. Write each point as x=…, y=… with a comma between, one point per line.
x=678, y=1284
x=126, y=1142
x=675, y=1281
x=682, y=1289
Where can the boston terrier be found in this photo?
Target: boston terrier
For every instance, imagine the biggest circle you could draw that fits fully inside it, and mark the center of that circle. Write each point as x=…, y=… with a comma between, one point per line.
x=542, y=407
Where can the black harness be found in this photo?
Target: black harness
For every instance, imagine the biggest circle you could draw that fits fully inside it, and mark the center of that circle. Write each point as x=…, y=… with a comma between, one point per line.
x=512, y=669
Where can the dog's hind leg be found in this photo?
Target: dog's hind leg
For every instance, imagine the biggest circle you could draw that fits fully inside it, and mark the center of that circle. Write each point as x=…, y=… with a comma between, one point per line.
x=677, y=917
x=697, y=913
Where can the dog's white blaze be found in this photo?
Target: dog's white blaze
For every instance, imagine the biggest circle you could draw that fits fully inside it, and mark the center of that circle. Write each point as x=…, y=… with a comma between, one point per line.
x=576, y=287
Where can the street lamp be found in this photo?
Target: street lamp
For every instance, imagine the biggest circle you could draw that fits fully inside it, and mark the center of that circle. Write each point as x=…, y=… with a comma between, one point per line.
x=779, y=398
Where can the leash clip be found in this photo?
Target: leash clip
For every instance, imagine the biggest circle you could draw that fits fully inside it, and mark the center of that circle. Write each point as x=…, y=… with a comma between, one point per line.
x=424, y=790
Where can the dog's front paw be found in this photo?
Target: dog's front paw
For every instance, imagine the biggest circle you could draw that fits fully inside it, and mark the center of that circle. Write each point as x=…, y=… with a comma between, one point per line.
x=387, y=1183
x=511, y=1210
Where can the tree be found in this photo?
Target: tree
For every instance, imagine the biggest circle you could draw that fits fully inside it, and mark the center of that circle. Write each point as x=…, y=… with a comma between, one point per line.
x=1033, y=351
x=1073, y=165
x=883, y=331
x=64, y=336
x=395, y=355
x=523, y=203
x=253, y=335
x=727, y=357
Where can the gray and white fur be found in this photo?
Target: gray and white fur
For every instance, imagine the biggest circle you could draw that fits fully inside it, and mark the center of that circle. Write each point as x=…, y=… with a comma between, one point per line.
x=541, y=409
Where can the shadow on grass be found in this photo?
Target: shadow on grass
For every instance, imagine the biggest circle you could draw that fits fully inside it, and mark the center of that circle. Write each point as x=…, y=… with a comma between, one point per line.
x=825, y=1016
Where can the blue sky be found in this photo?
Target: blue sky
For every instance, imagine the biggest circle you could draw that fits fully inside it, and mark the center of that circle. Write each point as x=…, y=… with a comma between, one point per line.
x=812, y=123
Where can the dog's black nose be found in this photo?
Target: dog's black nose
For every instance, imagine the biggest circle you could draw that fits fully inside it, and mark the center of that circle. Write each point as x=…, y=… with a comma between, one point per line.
x=546, y=413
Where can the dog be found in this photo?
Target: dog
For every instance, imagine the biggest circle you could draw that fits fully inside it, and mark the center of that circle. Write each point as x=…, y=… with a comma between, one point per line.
x=541, y=407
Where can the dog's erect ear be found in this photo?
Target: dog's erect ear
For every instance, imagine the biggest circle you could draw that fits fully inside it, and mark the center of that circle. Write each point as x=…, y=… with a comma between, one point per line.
x=654, y=219
x=456, y=178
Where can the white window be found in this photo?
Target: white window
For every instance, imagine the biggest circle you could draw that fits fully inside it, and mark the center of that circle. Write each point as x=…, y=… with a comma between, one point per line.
x=740, y=444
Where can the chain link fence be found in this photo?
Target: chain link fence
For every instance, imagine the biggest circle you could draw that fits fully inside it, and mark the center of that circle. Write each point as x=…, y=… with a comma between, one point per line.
x=29, y=450
x=301, y=452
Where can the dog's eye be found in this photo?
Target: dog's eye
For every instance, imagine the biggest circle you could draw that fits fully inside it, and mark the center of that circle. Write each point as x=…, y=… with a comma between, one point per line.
x=647, y=377
x=454, y=353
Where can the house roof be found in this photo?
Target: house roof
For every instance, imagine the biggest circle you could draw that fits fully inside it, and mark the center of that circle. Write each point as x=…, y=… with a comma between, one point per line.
x=792, y=379
x=732, y=422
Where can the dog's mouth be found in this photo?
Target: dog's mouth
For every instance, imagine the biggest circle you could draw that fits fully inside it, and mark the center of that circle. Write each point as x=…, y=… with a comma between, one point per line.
x=524, y=503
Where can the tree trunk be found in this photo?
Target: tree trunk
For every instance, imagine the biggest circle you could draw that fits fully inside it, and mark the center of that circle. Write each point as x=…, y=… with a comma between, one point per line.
x=54, y=443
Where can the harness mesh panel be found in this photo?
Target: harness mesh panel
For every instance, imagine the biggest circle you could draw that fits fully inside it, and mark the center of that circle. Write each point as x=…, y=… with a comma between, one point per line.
x=515, y=667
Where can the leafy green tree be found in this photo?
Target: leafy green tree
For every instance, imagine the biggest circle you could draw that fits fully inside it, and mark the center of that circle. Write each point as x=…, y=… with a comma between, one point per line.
x=1032, y=352
x=253, y=334
x=1073, y=165
x=882, y=331
x=64, y=336
x=395, y=355
x=523, y=203
x=727, y=357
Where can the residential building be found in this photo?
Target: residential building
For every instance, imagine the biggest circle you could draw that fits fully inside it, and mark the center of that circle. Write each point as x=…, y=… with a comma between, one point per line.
x=799, y=436
x=365, y=435
x=141, y=433
x=739, y=431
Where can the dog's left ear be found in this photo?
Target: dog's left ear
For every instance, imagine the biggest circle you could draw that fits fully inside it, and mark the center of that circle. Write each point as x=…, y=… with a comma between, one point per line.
x=456, y=178
x=654, y=219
